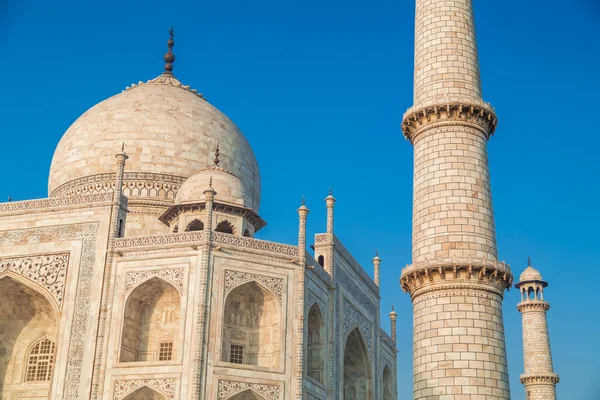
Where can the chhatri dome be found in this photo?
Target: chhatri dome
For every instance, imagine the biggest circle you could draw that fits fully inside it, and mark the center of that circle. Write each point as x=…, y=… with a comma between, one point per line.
x=530, y=273
x=169, y=132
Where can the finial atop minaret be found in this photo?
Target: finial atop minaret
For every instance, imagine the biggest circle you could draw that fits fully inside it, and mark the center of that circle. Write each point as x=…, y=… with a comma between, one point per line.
x=376, y=266
x=529, y=261
x=217, y=156
x=169, y=56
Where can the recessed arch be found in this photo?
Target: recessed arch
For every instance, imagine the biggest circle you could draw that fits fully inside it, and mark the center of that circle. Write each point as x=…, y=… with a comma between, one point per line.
x=195, y=225
x=225, y=227
x=388, y=385
x=151, y=322
x=28, y=336
x=34, y=286
x=145, y=393
x=315, y=344
x=251, y=326
x=357, y=381
x=247, y=394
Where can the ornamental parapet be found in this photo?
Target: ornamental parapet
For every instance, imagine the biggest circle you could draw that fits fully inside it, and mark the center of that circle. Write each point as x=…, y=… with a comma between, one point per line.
x=198, y=237
x=533, y=305
x=453, y=269
x=544, y=379
x=479, y=113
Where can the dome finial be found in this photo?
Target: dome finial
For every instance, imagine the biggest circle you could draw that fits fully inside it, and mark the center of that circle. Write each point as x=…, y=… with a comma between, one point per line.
x=169, y=56
x=217, y=155
x=529, y=261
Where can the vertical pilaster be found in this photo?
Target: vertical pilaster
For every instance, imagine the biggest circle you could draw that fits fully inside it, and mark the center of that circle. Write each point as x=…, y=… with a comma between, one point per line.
x=203, y=294
x=539, y=378
x=455, y=281
x=101, y=344
x=376, y=265
x=302, y=214
x=393, y=316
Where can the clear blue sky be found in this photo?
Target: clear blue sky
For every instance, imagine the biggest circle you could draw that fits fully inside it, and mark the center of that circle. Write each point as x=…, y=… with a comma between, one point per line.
x=319, y=89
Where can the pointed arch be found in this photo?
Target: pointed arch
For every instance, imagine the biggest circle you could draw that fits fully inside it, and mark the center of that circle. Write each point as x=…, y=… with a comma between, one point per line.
x=247, y=394
x=357, y=380
x=28, y=335
x=251, y=326
x=145, y=393
x=34, y=286
x=315, y=344
x=151, y=322
x=225, y=227
x=195, y=225
x=388, y=385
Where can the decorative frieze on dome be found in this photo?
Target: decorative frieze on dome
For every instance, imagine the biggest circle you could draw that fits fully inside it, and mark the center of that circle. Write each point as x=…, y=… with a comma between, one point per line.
x=166, y=79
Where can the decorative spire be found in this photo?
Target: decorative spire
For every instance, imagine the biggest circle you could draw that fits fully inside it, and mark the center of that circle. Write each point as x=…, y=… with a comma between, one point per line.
x=210, y=182
x=217, y=156
x=303, y=200
x=392, y=307
x=529, y=261
x=169, y=56
x=377, y=254
x=330, y=191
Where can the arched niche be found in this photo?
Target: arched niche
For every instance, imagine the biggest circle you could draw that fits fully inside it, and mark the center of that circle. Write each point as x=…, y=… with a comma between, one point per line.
x=251, y=327
x=145, y=393
x=246, y=395
x=28, y=337
x=358, y=384
x=195, y=225
x=388, y=386
x=315, y=344
x=151, y=322
x=225, y=227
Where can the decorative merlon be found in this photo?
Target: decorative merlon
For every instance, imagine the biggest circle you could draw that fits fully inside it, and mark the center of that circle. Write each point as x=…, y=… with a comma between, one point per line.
x=481, y=114
x=527, y=379
x=533, y=305
x=453, y=268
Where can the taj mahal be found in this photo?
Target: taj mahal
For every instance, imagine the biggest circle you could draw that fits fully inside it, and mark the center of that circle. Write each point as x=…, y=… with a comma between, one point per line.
x=140, y=277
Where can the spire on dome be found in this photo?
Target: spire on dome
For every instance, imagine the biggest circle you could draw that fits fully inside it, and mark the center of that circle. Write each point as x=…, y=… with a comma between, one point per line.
x=217, y=156
x=169, y=56
x=529, y=261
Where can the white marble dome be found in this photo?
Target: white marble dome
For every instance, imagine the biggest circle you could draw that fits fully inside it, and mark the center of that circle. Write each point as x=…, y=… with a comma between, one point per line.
x=229, y=188
x=167, y=129
x=530, y=274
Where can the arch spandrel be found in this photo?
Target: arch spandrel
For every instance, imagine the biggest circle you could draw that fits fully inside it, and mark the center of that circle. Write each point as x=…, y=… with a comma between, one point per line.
x=173, y=277
x=46, y=274
x=235, y=279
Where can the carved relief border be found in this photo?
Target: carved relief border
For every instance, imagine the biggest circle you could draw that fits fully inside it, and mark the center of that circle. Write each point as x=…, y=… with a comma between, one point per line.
x=234, y=278
x=87, y=233
x=228, y=389
x=175, y=276
x=164, y=386
x=354, y=318
x=313, y=298
x=48, y=271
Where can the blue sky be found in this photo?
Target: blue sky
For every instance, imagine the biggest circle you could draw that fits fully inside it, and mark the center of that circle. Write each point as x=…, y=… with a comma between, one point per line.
x=319, y=89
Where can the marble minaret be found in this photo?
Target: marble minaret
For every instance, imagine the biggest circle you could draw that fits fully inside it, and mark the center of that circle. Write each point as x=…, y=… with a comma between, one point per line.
x=455, y=281
x=539, y=378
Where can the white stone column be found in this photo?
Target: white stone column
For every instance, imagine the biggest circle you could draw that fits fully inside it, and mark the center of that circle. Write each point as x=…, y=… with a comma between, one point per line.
x=393, y=316
x=302, y=214
x=456, y=282
x=539, y=378
x=376, y=265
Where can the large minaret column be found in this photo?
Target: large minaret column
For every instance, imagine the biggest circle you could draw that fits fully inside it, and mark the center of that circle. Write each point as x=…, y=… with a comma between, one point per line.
x=456, y=282
x=539, y=378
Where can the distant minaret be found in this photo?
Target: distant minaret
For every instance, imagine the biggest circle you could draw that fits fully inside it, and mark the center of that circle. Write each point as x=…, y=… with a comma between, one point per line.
x=455, y=281
x=539, y=378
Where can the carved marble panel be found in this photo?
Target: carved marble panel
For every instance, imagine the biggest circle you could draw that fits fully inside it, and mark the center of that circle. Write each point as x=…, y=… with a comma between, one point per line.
x=228, y=389
x=175, y=276
x=354, y=318
x=48, y=271
x=163, y=386
x=235, y=278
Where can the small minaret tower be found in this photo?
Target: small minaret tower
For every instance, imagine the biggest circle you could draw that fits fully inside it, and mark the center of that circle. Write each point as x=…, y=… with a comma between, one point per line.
x=539, y=378
x=455, y=281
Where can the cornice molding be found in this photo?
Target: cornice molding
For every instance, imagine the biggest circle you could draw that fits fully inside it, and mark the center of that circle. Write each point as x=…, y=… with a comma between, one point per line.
x=532, y=379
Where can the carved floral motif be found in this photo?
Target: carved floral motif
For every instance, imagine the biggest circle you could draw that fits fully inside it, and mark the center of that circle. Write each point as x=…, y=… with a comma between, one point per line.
x=132, y=279
x=229, y=388
x=53, y=202
x=235, y=278
x=49, y=271
x=164, y=386
x=354, y=318
x=87, y=234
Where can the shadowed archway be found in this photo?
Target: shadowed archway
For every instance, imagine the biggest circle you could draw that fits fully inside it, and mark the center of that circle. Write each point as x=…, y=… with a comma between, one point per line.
x=28, y=334
x=358, y=384
x=145, y=393
x=246, y=395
